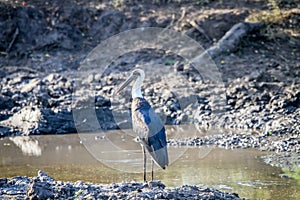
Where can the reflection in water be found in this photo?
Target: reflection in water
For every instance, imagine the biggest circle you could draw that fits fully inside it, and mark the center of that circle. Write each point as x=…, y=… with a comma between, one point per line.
x=65, y=158
x=119, y=150
x=27, y=145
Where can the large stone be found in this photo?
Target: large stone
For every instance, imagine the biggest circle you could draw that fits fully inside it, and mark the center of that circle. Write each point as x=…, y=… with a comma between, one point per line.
x=34, y=120
x=25, y=121
x=30, y=85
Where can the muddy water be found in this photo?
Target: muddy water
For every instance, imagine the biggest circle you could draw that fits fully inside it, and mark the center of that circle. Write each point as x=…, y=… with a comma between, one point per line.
x=116, y=157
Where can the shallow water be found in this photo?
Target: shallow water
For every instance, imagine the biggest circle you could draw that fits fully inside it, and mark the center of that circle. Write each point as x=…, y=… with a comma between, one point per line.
x=115, y=157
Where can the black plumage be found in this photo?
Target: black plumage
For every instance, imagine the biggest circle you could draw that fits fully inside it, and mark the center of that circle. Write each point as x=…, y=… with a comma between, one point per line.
x=150, y=131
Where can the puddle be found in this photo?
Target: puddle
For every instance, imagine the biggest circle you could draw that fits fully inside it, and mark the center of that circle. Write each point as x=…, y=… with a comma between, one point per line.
x=65, y=157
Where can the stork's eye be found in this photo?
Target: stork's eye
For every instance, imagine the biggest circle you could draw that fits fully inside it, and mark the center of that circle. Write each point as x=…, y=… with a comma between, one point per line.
x=136, y=73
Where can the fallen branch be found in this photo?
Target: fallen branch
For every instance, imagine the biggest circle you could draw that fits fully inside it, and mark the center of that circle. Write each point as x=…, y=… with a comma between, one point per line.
x=232, y=38
x=227, y=43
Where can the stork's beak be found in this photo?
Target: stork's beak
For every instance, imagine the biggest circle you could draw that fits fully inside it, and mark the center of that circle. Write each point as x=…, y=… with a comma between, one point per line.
x=125, y=83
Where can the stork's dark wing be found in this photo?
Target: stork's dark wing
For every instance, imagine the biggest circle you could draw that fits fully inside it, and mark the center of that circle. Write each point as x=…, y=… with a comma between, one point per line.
x=151, y=132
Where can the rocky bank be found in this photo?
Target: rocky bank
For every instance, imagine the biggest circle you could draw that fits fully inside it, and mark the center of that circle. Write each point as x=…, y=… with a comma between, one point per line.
x=44, y=187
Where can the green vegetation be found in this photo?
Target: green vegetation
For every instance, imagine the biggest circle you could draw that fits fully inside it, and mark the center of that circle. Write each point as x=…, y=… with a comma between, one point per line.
x=281, y=19
x=294, y=174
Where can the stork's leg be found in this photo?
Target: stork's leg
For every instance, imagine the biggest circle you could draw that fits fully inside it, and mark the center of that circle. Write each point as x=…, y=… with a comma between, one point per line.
x=145, y=162
x=152, y=172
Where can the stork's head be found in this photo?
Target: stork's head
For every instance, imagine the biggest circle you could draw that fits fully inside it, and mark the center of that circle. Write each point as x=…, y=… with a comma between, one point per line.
x=136, y=75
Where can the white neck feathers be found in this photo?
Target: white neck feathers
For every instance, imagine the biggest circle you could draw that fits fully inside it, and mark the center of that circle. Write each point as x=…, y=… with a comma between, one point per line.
x=136, y=89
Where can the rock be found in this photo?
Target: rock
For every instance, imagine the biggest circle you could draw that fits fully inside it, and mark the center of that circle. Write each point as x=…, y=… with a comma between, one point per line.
x=34, y=120
x=44, y=177
x=30, y=85
x=38, y=189
x=156, y=184
x=3, y=181
x=26, y=120
x=56, y=122
x=14, y=187
x=100, y=101
x=167, y=95
x=4, y=131
x=285, y=176
x=6, y=102
x=185, y=101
